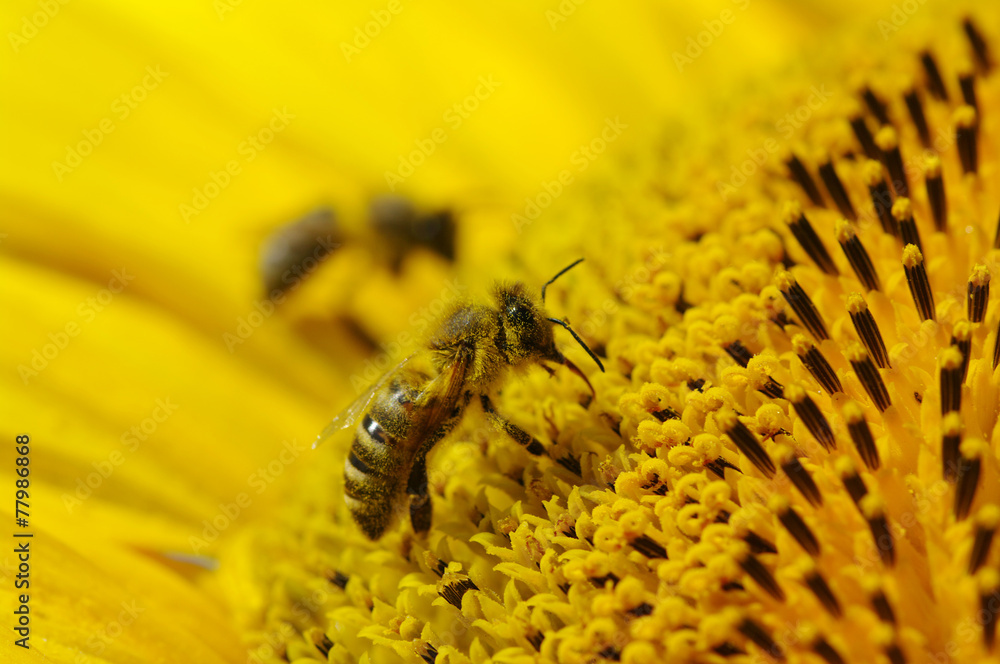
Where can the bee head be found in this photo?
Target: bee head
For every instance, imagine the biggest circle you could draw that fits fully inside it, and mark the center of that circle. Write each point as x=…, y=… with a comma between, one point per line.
x=526, y=331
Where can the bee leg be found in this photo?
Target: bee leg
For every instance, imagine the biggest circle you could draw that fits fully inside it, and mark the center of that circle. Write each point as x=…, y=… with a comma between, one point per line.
x=420, y=500
x=530, y=443
x=517, y=433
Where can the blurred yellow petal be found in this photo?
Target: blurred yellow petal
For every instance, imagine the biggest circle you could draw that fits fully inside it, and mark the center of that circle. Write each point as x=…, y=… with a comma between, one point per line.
x=170, y=403
x=85, y=596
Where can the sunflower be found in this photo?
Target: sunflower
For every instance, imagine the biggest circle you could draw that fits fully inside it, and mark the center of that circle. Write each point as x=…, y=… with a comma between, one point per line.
x=788, y=456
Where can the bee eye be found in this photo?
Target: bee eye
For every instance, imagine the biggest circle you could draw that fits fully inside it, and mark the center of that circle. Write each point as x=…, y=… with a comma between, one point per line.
x=518, y=314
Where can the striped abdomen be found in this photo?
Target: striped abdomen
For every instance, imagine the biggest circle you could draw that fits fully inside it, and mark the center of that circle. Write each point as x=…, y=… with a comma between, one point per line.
x=378, y=464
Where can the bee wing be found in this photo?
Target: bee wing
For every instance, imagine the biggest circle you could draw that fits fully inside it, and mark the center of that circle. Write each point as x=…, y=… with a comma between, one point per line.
x=442, y=393
x=350, y=415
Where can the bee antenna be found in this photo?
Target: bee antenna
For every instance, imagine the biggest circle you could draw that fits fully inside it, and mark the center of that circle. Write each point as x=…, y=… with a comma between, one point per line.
x=561, y=273
x=575, y=336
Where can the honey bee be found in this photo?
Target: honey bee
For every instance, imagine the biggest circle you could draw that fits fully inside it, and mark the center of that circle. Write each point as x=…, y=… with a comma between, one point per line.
x=420, y=401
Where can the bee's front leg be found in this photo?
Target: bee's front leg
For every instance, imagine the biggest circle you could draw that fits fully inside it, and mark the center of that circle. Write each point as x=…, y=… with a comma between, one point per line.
x=529, y=442
x=525, y=439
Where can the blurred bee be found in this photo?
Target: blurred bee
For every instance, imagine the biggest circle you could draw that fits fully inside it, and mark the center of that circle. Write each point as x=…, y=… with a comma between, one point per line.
x=294, y=250
x=401, y=229
x=416, y=404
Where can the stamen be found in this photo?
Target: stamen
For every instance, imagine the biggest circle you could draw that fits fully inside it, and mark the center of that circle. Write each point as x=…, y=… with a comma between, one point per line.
x=888, y=143
x=876, y=106
x=873, y=509
x=745, y=441
x=989, y=598
x=916, y=109
x=852, y=481
x=857, y=256
x=902, y=211
x=648, y=547
x=430, y=654
x=758, y=378
x=880, y=603
x=807, y=237
x=865, y=137
x=754, y=631
x=869, y=376
x=867, y=329
x=996, y=347
x=758, y=544
x=570, y=463
x=961, y=338
x=837, y=191
x=818, y=585
x=987, y=520
x=916, y=277
x=816, y=364
x=338, y=578
x=882, y=197
x=771, y=388
x=740, y=353
x=951, y=380
x=965, y=137
x=811, y=416
x=969, y=468
x=895, y=654
x=979, y=46
x=826, y=652
x=802, y=177
x=935, y=192
x=979, y=293
x=759, y=573
x=802, y=305
x=861, y=434
x=320, y=641
x=967, y=82
x=798, y=475
x=951, y=438
x=935, y=84
x=794, y=524
x=681, y=305
x=454, y=591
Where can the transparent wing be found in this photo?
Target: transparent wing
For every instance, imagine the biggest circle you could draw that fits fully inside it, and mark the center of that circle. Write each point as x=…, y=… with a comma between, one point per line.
x=350, y=415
